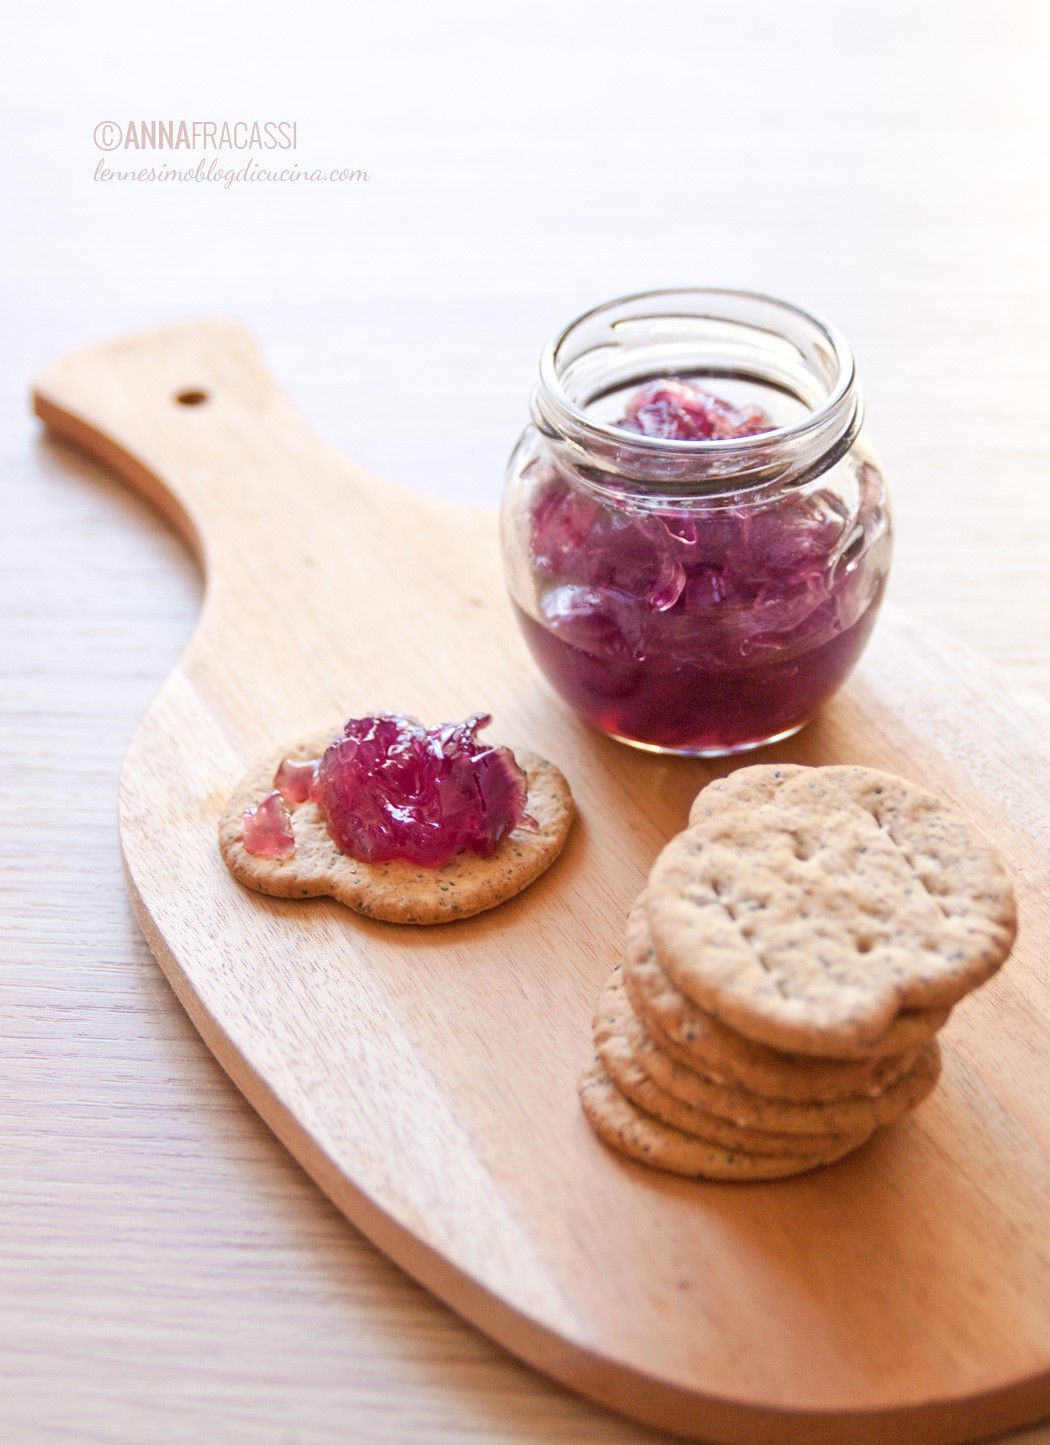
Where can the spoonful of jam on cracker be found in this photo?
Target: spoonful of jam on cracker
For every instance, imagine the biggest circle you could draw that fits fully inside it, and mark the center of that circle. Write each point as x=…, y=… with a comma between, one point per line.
x=459, y=823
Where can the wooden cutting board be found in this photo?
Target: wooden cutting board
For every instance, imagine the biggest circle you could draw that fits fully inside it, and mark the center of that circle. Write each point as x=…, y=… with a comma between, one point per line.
x=426, y=1077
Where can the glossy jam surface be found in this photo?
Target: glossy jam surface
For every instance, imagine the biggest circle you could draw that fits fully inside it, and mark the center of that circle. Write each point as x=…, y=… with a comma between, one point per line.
x=710, y=625
x=681, y=411
x=268, y=829
x=294, y=780
x=391, y=788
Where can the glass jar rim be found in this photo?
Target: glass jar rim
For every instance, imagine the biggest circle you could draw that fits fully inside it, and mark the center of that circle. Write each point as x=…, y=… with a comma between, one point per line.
x=838, y=411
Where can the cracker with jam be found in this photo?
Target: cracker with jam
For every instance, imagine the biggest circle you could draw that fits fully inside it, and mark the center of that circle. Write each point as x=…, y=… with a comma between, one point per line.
x=402, y=823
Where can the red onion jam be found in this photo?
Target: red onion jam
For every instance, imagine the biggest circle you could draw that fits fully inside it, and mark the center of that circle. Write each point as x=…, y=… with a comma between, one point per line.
x=268, y=829
x=391, y=788
x=703, y=627
x=681, y=411
x=295, y=780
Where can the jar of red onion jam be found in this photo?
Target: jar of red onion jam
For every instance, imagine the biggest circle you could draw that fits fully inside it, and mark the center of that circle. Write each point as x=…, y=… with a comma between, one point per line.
x=696, y=535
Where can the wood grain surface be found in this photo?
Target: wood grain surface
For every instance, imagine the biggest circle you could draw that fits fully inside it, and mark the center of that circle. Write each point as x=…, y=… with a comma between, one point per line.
x=427, y=1079
x=168, y=1272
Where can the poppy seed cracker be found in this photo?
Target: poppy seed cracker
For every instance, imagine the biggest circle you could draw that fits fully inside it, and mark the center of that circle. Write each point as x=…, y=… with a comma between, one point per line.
x=631, y=1131
x=696, y=1038
x=812, y=921
x=397, y=891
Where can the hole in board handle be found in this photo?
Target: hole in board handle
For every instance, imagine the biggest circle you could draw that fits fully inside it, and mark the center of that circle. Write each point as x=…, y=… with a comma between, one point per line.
x=191, y=398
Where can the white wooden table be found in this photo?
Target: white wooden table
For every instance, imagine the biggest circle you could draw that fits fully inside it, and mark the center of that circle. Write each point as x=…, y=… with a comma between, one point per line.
x=167, y=1274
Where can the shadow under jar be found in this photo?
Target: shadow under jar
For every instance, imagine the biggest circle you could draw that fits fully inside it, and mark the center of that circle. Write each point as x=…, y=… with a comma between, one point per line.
x=703, y=595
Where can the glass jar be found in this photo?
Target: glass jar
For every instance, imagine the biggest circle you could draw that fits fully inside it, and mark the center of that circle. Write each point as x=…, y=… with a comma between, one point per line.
x=700, y=596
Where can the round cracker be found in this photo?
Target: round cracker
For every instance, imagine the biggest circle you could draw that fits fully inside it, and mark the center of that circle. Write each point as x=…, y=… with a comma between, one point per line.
x=752, y=785
x=612, y=1041
x=810, y=921
x=702, y=1042
x=628, y=1129
x=398, y=891
x=859, y=1114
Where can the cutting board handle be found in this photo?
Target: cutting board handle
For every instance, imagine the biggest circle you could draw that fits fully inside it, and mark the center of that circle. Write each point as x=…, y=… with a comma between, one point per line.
x=190, y=416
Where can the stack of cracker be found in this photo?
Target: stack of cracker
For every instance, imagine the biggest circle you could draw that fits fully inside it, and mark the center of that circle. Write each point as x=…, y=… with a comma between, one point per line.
x=786, y=971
